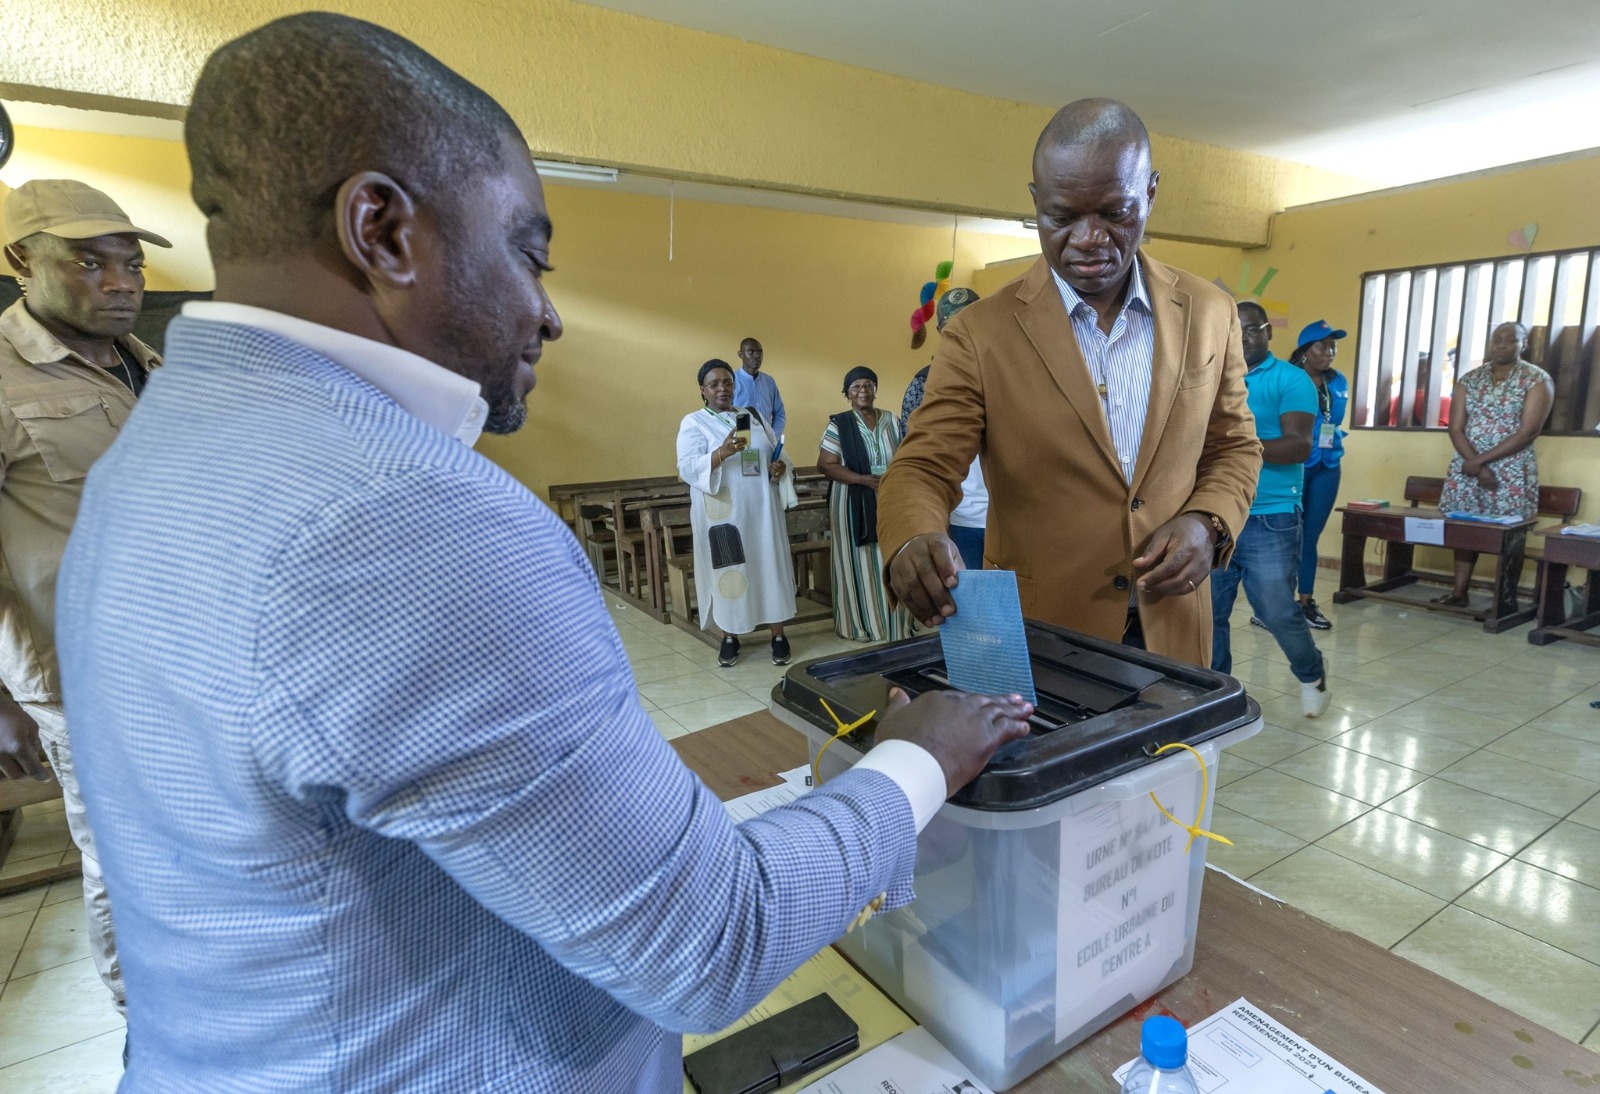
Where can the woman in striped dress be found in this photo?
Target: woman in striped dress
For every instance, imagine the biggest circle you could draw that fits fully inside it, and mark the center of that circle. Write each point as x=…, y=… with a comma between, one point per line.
x=856, y=449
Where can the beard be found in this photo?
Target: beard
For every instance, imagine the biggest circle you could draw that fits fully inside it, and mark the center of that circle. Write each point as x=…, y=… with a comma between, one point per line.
x=507, y=412
x=484, y=344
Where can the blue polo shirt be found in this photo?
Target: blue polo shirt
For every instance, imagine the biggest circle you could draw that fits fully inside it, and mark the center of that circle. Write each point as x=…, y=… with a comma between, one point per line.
x=1276, y=388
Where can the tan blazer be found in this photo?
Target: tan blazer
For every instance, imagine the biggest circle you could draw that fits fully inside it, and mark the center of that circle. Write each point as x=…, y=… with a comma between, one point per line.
x=1009, y=382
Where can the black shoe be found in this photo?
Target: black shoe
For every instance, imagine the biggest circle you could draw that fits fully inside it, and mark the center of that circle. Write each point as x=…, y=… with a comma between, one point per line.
x=1314, y=616
x=780, y=650
x=728, y=655
x=1255, y=621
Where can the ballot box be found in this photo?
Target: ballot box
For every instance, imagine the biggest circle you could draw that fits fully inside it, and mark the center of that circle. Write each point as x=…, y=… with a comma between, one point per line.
x=1061, y=888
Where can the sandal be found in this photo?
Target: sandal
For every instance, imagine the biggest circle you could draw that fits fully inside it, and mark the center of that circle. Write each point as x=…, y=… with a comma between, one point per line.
x=1451, y=600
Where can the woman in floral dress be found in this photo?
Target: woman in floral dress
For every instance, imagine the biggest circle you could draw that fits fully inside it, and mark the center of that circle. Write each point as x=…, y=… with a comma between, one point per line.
x=1495, y=414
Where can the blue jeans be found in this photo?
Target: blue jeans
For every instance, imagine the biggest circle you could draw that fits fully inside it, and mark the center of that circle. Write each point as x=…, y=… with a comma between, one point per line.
x=969, y=541
x=1322, y=487
x=1264, y=560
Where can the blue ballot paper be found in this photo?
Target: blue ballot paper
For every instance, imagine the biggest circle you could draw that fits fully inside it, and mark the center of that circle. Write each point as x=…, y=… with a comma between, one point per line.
x=985, y=646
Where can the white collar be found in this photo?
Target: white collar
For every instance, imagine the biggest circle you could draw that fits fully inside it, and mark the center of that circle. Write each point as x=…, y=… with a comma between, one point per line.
x=449, y=402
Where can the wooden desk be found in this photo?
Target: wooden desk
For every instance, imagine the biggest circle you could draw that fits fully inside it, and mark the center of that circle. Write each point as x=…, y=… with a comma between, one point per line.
x=1400, y=1026
x=1505, y=541
x=1561, y=552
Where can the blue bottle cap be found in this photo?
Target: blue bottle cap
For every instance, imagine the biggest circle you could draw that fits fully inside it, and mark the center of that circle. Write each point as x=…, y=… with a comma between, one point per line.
x=1164, y=1042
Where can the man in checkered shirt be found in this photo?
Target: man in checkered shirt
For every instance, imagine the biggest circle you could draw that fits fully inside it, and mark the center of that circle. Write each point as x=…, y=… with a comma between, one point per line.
x=379, y=805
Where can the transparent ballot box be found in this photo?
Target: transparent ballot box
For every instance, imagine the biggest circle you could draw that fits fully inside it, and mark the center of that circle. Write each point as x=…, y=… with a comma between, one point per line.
x=1053, y=893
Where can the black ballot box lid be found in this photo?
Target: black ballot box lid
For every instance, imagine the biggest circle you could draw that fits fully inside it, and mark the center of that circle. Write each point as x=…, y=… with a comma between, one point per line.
x=1104, y=709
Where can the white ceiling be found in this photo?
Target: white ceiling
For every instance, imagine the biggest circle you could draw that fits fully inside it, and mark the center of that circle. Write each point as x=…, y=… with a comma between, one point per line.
x=1396, y=91
x=49, y=116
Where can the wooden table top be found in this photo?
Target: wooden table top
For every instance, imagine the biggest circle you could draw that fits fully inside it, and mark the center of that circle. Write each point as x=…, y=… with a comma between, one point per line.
x=1408, y=1030
x=1403, y=511
x=1582, y=551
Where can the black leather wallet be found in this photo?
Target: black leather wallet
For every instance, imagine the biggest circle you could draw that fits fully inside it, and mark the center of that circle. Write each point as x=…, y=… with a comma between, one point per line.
x=775, y=1051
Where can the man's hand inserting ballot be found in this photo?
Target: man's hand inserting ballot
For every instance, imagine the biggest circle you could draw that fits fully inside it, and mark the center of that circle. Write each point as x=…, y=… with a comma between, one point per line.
x=959, y=730
x=923, y=573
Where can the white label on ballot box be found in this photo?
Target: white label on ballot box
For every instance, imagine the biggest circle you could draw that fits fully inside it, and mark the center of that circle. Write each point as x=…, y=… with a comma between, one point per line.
x=1425, y=530
x=1124, y=907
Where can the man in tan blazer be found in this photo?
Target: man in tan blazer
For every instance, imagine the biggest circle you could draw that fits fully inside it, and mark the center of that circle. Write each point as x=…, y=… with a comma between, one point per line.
x=1105, y=392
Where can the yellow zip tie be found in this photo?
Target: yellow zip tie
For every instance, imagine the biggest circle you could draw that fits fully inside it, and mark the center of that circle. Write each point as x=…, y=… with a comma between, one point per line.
x=1194, y=829
x=844, y=730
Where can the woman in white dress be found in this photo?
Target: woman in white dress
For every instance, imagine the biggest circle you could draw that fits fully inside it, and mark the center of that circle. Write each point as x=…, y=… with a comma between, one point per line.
x=743, y=574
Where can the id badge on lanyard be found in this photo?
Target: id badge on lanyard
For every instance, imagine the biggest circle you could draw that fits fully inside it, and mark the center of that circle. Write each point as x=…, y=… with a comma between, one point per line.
x=1327, y=434
x=750, y=462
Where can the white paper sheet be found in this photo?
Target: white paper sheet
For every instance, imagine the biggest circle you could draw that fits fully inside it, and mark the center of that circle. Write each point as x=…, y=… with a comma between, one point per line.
x=1239, y=1050
x=912, y=1063
x=1425, y=530
x=795, y=783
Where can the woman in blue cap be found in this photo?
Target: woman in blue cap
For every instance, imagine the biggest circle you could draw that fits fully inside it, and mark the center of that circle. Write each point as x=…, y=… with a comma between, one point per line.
x=1315, y=350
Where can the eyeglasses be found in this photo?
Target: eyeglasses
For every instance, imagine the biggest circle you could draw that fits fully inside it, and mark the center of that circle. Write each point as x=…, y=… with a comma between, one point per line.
x=1255, y=328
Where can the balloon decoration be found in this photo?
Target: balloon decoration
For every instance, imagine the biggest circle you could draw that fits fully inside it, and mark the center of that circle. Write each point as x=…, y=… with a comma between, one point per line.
x=1277, y=310
x=928, y=299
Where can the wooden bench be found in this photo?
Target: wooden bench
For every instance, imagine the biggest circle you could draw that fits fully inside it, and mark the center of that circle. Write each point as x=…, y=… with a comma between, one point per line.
x=808, y=527
x=564, y=496
x=14, y=794
x=1555, y=621
x=1507, y=543
x=1561, y=502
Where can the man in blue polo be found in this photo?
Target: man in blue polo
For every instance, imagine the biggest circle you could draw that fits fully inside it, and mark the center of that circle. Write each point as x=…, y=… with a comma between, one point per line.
x=1267, y=557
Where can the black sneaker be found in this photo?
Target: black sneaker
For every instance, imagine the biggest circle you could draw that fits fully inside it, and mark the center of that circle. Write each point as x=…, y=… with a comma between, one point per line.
x=728, y=655
x=780, y=650
x=1255, y=621
x=1314, y=616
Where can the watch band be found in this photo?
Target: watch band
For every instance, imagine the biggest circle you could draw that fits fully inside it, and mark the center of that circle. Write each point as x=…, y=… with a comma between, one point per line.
x=1224, y=537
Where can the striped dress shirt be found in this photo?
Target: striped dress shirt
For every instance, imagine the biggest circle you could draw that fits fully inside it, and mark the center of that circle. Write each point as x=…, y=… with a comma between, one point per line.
x=1119, y=363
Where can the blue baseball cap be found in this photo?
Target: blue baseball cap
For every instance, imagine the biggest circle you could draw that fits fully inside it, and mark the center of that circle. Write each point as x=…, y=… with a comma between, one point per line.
x=1316, y=332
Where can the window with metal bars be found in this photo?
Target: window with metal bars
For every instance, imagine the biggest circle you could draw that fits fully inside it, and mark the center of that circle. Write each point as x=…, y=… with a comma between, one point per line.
x=1423, y=329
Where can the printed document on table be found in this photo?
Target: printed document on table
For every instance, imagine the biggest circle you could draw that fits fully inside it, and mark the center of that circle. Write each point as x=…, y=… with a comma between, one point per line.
x=1239, y=1050
x=795, y=783
x=984, y=644
x=912, y=1063
x=1425, y=530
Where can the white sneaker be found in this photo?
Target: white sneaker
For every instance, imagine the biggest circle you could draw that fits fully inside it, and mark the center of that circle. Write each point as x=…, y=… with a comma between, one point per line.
x=1314, y=698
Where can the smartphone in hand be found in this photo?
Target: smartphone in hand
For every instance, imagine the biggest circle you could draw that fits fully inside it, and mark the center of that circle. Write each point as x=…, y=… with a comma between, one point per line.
x=741, y=426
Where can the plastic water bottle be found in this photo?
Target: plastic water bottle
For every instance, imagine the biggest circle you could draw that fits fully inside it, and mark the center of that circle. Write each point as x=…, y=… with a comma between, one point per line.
x=1163, y=1066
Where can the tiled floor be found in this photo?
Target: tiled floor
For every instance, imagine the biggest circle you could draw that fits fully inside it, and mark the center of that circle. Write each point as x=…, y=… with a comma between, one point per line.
x=1447, y=807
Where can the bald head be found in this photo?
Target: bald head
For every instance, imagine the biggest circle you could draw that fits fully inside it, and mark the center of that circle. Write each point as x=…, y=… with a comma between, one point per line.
x=1091, y=122
x=1092, y=193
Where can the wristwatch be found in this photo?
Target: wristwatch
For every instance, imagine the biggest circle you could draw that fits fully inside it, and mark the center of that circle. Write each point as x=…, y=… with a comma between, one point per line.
x=1224, y=537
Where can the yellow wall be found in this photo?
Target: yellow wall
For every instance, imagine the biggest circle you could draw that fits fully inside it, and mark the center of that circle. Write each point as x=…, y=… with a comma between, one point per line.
x=595, y=85
x=1322, y=252
x=148, y=178
x=822, y=293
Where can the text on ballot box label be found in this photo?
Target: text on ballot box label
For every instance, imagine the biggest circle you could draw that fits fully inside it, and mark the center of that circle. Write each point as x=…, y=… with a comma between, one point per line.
x=1425, y=530
x=1123, y=911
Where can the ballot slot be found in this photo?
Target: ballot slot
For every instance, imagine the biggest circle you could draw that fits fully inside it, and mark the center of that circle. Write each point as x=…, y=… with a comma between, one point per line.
x=1074, y=688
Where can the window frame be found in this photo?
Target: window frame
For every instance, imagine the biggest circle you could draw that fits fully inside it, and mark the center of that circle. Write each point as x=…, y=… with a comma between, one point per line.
x=1396, y=345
